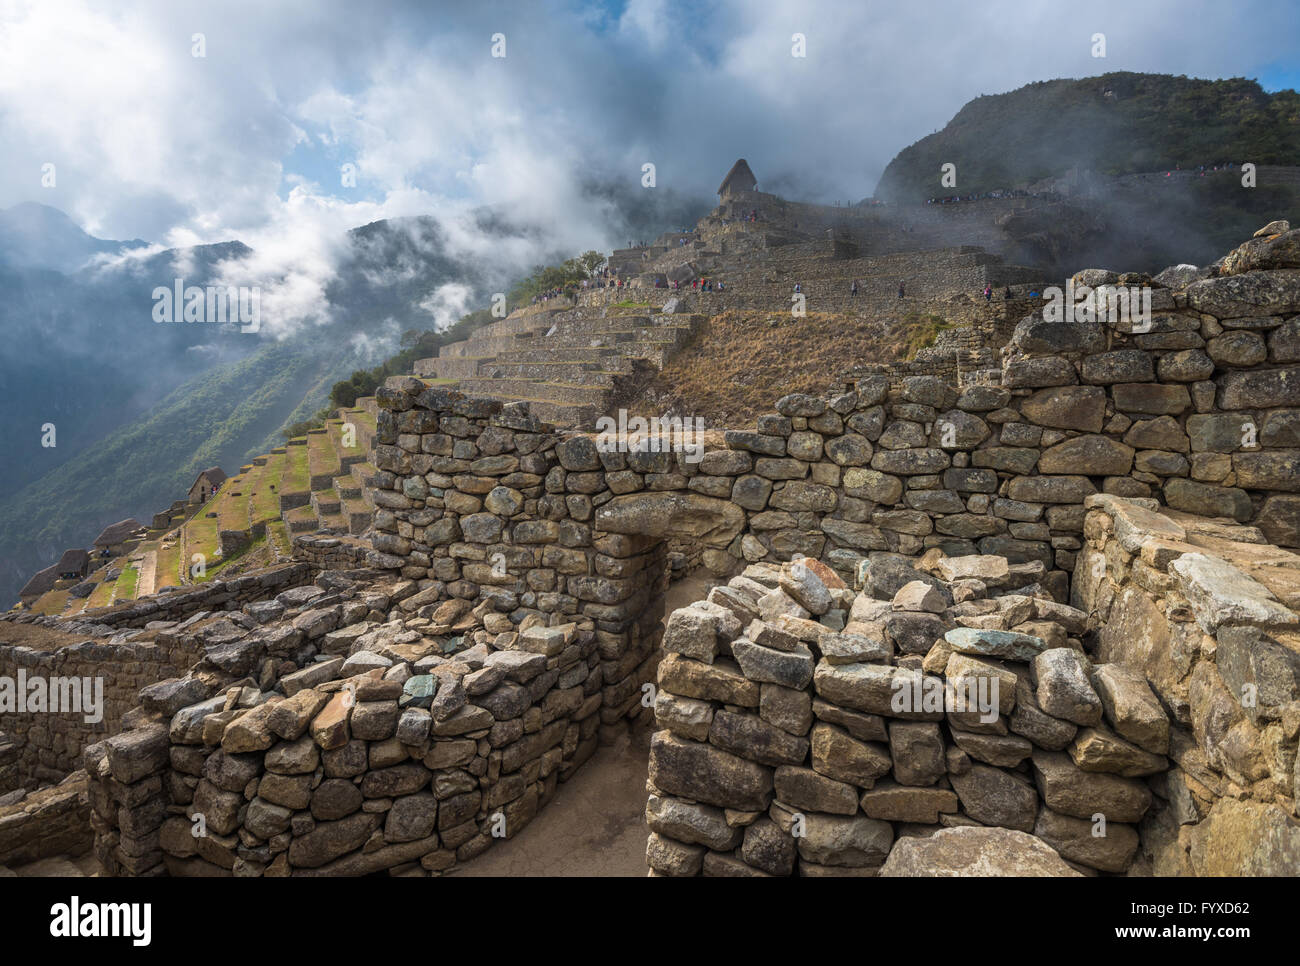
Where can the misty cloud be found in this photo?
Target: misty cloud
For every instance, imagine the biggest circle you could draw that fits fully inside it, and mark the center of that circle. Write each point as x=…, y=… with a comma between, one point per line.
x=248, y=141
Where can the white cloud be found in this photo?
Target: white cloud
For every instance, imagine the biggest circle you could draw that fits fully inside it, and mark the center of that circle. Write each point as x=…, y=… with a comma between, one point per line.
x=246, y=143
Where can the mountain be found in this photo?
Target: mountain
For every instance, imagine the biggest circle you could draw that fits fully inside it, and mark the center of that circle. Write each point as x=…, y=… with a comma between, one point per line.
x=1121, y=169
x=38, y=236
x=139, y=407
x=1114, y=124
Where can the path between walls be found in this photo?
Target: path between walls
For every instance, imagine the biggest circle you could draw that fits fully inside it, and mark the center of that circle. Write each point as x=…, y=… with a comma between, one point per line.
x=596, y=824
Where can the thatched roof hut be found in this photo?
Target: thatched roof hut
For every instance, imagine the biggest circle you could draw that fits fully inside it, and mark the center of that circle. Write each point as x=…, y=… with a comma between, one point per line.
x=739, y=178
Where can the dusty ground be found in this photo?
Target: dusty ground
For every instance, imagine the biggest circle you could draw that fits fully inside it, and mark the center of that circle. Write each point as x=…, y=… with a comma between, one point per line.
x=36, y=637
x=57, y=867
x=595, y=825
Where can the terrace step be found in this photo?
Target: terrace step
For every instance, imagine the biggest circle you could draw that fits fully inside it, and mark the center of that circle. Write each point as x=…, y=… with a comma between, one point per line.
x=325, y=502
x=547, y=391
x=358, y=514
x=348, y=487
x=301, y=519
x=332, y=523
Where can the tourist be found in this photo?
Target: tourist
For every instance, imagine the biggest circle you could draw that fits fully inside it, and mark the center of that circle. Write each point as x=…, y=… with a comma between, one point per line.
x=988, y=292
x=901, y=291
x=853, y=289
x=1007, y=293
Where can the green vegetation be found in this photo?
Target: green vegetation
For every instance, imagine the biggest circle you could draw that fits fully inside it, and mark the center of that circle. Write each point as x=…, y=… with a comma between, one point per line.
x=222, y=418
x=264, y=499
x=922, y=330
x=167, y=570
x=103, y=595
x=415, y=345
x=278, y=536
x=297, y=476
x=216, y=568
x=1119, y=123
x=568, y=276
x=126, y=583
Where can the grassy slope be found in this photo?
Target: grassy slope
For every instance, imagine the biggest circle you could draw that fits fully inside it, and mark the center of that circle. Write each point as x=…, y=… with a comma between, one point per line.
x=225, y=418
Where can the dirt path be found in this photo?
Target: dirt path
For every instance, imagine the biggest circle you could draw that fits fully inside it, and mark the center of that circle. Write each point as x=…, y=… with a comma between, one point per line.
x=595, y=825
x=148, y=574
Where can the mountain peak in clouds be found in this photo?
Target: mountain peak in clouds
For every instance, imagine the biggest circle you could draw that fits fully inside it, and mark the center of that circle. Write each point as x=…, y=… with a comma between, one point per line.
x=38, y=236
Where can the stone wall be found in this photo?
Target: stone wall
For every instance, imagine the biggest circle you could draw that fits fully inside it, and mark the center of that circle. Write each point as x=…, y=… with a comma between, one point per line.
x=128, y=647
x=482, y=502
x=808, y=729
x=49, y=743
x=49, y=822
x=1000, y=469
x=1207, y=613
x=345, y=729
x=174, y=604
x=474, y=500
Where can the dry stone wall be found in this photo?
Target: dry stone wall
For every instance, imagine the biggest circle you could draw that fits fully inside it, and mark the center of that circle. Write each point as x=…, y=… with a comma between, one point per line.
x=127, y=647
x=49, y=822
x=483, y=502
x=94, y=679
x=807, y=728
x=347, y=728
x=1207, y=613
x=506, y=540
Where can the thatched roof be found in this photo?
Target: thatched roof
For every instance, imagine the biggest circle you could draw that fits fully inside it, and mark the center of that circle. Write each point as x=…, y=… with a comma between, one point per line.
x=42, y=581
x=215, y=474
x=115, y=533
x=73, y=560
x=740, y=174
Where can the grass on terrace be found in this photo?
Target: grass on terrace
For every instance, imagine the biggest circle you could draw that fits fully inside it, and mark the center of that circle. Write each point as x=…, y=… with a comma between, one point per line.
x=126, y=582
x=233, y=499
x=51, y=603
x=297, y=475
x=322, y=457
x=277, y=535
x=264, y=500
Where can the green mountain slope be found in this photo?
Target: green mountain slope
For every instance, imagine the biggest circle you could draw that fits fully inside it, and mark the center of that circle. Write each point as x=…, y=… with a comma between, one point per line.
x=1117, y=123
x=223, y=417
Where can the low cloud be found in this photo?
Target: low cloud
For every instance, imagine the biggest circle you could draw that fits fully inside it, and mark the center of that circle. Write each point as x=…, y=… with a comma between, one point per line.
x=248, y=142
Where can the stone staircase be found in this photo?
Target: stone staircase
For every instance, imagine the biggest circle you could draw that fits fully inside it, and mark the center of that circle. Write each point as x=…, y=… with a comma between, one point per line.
x=567, y=362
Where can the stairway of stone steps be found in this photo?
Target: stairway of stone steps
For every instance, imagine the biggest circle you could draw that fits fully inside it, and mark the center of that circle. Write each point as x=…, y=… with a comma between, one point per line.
x=567, y=362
